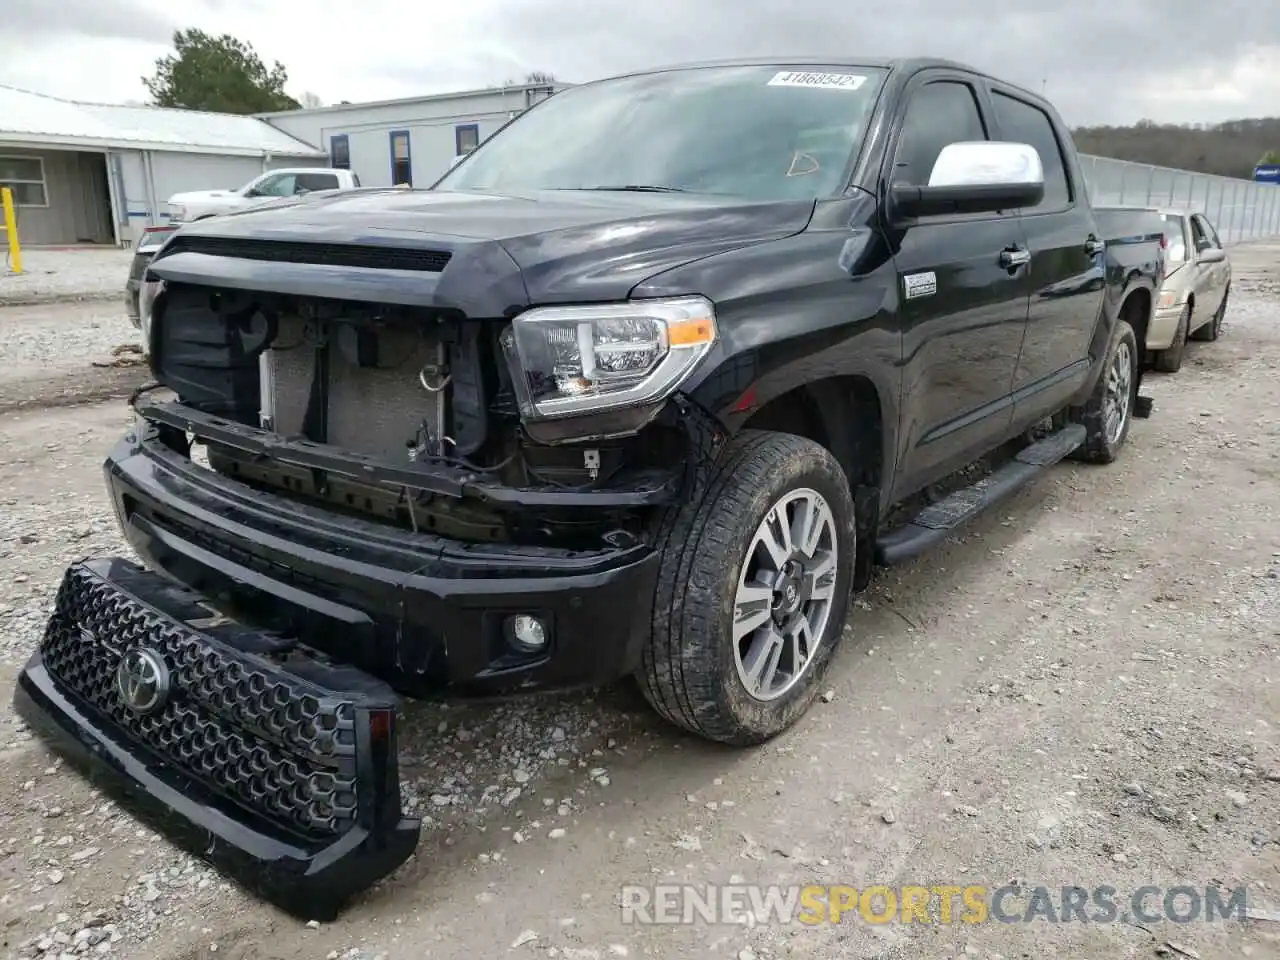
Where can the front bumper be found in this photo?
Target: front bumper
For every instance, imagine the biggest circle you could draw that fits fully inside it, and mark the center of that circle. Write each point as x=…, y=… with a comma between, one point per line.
x=430, y=616
x=1164, y=325
x=272, y=751
x=258, y=756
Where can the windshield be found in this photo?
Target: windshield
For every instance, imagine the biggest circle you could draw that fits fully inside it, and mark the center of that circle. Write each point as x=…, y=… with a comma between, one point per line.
x=762, y=133
x=1173, y=230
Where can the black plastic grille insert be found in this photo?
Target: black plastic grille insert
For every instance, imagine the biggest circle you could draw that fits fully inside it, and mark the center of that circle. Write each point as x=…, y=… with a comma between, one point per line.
x=327, y=254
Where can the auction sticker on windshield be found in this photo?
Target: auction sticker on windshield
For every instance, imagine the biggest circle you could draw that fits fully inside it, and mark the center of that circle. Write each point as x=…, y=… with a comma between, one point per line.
x=827, y=81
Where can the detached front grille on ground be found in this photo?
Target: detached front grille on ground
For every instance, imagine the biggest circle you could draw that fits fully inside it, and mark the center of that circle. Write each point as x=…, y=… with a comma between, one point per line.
x=286, y=779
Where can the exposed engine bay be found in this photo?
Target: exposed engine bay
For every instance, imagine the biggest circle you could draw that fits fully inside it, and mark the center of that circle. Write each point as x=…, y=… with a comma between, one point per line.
x=412, y=388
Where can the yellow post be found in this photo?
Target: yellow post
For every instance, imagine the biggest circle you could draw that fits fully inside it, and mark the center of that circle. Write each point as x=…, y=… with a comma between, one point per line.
x=11, y=230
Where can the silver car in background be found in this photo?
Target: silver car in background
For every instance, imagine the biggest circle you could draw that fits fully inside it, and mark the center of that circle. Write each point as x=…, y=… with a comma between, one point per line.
x=138, y=292
x=1193, y=298
x=151, y=240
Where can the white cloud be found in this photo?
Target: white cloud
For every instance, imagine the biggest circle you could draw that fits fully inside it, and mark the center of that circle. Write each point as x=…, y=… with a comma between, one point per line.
x=1100, y=60
x=1245, y=88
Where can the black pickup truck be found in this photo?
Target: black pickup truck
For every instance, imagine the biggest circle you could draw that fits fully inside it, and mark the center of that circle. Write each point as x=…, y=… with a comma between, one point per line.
x=630, y=392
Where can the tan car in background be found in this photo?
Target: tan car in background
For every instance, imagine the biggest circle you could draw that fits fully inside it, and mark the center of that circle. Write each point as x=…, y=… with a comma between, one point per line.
x=1193, y=299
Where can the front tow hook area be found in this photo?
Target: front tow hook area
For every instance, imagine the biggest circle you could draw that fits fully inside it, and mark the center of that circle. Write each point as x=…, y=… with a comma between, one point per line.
x=243, y=747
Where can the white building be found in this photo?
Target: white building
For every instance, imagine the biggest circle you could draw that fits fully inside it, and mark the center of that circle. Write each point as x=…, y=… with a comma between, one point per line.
x=98, y=173
x=410, y=141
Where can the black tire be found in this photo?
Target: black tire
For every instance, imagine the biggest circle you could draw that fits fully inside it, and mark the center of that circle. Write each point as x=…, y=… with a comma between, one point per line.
x=689, y=672
x=1170, y=360
x=1209, y=332
x=1102, y=443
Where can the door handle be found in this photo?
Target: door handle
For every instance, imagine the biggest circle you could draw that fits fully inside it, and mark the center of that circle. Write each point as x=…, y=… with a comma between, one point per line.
x=1093, y=246
x=1013, y=257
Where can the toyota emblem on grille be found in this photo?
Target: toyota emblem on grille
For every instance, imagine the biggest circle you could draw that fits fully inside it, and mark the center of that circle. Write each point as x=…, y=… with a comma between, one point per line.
x=143, y=680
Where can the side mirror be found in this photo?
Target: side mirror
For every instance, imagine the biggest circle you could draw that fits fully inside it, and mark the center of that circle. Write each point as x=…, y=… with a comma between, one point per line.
x=974, y=177
x=1210, y=254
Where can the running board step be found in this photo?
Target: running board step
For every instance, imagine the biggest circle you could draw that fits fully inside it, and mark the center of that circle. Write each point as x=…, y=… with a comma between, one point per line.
x=932, y=524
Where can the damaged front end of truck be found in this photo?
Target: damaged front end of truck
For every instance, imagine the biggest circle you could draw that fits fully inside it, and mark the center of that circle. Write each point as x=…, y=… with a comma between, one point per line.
x=383, y=475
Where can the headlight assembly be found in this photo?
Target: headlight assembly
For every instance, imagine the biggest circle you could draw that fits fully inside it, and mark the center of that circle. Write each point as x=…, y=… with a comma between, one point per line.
x=569, y=361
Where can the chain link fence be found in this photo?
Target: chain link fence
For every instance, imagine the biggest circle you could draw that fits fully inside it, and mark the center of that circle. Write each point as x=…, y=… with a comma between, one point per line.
x=1238, y=209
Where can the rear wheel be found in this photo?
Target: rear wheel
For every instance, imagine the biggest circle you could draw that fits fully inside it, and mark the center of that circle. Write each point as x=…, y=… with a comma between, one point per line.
x=1210, y=331
x=1108, y=413
x=752, y=592
x=1170, y=361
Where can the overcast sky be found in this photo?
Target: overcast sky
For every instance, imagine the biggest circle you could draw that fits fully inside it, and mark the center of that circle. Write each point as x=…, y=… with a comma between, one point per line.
x=1112, y=61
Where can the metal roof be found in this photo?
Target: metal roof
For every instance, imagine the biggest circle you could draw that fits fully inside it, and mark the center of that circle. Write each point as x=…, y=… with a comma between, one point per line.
x=555, y=85
x=34, y=118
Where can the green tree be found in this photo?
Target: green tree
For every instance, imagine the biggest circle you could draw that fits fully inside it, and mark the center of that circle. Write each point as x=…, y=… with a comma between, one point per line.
x=1270, y=157
x=220, y=74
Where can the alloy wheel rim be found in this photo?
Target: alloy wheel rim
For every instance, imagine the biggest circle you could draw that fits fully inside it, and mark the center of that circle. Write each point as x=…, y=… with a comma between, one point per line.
x=1119, y=392
x=785, y=595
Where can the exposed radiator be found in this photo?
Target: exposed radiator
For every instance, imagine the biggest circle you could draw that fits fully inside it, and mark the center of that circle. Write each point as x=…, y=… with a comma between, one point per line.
x=376, y=410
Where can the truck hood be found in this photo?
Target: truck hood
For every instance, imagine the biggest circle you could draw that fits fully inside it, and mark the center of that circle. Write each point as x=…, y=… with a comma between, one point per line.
x=493, y=254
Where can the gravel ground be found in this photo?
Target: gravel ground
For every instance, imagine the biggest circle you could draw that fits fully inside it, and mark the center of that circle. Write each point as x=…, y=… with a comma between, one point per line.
x=61, y=275
x=1079, y=689
x=62, y=353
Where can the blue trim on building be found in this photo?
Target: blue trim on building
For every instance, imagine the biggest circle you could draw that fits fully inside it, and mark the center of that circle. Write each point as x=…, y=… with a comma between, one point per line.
x=408, y=154
x=457, y=137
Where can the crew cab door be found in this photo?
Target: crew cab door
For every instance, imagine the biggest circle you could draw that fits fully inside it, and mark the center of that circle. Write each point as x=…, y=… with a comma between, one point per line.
x=1211, y=275
x=1067, y=265
x=963, y=295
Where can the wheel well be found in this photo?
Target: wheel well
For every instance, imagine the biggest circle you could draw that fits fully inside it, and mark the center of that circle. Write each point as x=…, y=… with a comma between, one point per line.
x=1137, y=310
x=843, y=414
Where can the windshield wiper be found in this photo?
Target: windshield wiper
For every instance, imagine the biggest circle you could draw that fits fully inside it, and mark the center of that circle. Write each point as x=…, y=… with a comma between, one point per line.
x=640, y=188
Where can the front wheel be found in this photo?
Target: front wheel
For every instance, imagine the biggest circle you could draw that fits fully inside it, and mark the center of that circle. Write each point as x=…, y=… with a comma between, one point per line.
x=752, y=592
x=1170, y=361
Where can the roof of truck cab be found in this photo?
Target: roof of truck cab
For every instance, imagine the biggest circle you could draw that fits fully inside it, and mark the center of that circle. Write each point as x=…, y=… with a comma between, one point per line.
x=893, y=64
x=908, y=64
